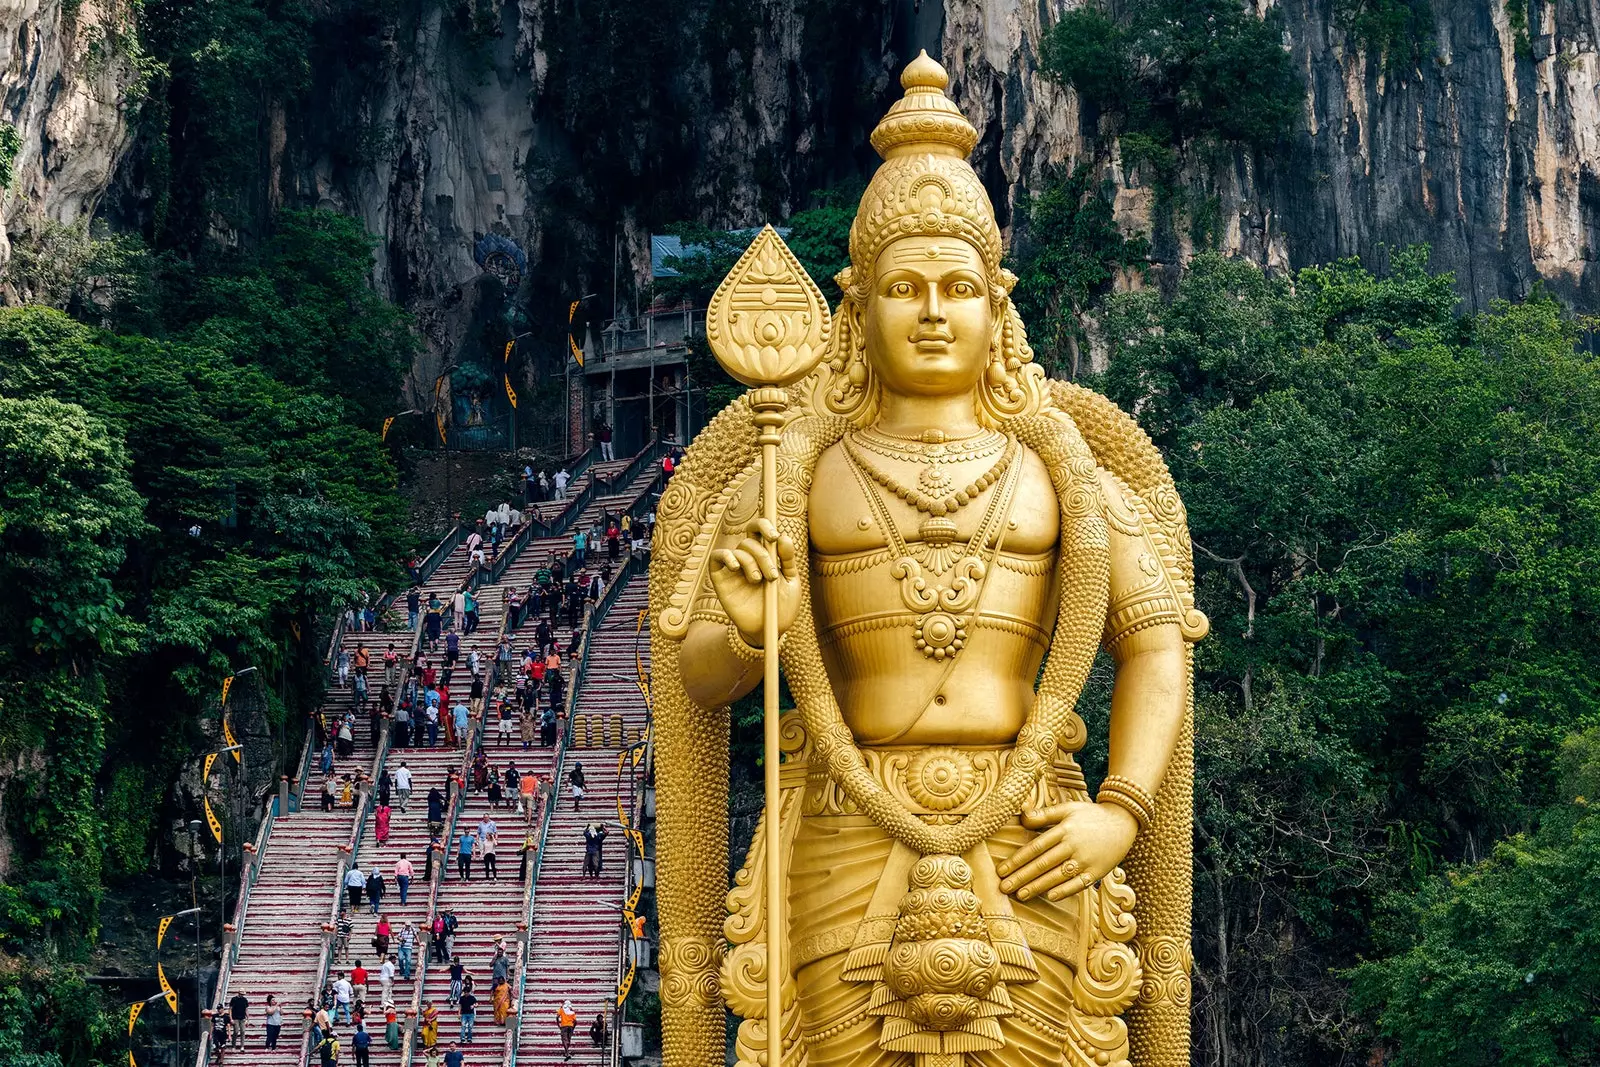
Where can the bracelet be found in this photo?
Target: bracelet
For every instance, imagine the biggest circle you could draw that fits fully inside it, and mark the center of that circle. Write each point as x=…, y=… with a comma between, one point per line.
x=1130, y=795
x=742, y=648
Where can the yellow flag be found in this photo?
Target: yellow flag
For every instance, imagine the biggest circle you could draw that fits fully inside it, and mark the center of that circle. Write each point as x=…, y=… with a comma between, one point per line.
x=211, y=820
x=161, y=931
x=386, y=424
x=507, y=357
x=210, y=759
x=577, y=353
x=227, y=684
x=166, y=988
x=131, y=1061
x=133, y=1017
x=294, y=628
x=511, y=394
x=440, y=420
x=227, y=735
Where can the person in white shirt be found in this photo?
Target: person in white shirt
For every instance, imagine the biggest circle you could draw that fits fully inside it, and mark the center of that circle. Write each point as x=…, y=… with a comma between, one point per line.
x=343, y=993
x=402, y=784
x=562, y=478
x=355, y=883
x=386, y=979
x=459, y=604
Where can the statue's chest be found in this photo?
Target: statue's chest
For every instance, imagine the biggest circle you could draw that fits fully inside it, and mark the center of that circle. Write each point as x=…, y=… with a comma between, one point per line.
x=844, y=520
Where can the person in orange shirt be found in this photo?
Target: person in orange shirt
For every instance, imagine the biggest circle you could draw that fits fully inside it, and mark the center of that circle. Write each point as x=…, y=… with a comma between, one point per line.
x=567, y=1019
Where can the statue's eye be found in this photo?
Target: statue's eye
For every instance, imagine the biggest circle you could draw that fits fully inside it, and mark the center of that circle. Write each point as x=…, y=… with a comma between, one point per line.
x=963, y=289
x=902, y=290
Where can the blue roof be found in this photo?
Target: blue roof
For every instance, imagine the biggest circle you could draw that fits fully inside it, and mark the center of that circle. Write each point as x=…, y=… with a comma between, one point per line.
x=667, y=245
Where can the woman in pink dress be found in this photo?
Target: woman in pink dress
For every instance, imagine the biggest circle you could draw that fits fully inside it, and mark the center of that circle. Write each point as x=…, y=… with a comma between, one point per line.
x=382, y=829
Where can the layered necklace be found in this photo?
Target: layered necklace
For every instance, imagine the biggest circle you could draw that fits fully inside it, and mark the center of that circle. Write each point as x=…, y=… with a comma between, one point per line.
x=944, y=601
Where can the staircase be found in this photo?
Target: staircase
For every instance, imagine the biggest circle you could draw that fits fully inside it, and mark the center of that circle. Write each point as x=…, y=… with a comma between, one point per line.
x=281, y=943
x=575, y=938
x=577, y=922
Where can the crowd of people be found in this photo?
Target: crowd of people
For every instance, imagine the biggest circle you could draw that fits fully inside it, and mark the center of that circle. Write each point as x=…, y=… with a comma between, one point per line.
x=527, y=709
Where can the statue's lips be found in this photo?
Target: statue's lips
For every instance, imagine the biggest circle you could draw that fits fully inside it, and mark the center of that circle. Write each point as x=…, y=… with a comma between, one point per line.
x=933, y=343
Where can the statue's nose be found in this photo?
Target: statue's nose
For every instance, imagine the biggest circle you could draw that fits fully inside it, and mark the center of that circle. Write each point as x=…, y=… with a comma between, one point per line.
x=931, y=312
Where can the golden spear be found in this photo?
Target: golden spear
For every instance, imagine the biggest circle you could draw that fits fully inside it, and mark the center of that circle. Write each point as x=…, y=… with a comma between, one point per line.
x=768, y=327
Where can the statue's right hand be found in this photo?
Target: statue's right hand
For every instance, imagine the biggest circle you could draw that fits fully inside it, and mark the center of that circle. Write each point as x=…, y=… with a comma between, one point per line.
x=740, y=575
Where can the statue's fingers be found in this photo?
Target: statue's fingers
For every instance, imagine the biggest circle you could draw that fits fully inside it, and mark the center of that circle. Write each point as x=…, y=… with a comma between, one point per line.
x=1044, y=818
x=786, y=557
x=748, y=565
x=1067, y=889
x=763, y=559
x=1027, y=852
x=722, y=559
x=764, y=529
x=1039, y=868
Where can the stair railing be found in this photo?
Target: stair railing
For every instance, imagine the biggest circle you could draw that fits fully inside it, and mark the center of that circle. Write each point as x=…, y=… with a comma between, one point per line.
x=364, y=807
x=580, y=671
x=409, y=1032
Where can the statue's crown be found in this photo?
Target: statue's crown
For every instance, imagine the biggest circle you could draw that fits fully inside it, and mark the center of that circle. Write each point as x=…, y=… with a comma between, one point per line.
x=925, y=184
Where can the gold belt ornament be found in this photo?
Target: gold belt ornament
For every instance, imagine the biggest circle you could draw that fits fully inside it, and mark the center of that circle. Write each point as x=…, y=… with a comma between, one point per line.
x=942, y=785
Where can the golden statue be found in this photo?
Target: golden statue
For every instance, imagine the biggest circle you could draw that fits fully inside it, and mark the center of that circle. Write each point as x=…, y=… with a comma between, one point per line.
x=946, y=541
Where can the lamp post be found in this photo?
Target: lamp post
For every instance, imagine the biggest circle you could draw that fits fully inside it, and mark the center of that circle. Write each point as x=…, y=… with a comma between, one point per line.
x=194, y=909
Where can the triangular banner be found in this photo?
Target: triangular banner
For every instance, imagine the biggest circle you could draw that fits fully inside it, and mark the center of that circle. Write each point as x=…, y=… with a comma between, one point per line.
x=133, y=1017
x=166, y=988
x=386, y=424
x=511, y=394
x=211, y=820
x=161, y=930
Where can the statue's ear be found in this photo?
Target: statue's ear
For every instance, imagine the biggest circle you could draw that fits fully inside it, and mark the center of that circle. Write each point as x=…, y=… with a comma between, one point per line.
x=1008, y=281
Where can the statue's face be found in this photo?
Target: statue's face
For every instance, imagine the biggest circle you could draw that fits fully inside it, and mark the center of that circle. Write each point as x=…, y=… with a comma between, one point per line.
x=928, y=318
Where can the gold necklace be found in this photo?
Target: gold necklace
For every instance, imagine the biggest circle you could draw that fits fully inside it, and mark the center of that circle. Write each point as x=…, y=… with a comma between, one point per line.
x=942, y=610
x=936, y=506
x=932, y=447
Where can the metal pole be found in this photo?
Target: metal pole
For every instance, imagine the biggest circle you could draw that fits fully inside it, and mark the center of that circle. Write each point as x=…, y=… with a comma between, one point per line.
x=194, y=901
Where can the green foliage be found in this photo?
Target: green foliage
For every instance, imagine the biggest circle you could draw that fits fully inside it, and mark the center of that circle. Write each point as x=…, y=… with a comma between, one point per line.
x=1502, y=964
x=1067, y=257
x=1176, y=71
x=171, y=502
x=51, y=1017
x=10, y=145
x=1396, y=520
x=222, y=69
x=1399, y=32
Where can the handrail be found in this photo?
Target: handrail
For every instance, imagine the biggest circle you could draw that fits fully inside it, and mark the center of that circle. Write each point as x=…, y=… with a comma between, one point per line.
x=358, y=829
x=457, y=804
x=441, y=552
x=580, y=671
x=513, y=548
x=652, y=451
x=563, y=521
x=585, y=460
x=247, y=881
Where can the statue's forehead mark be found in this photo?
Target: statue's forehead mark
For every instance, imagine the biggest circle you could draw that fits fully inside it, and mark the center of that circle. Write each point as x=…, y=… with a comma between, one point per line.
x=955, y=251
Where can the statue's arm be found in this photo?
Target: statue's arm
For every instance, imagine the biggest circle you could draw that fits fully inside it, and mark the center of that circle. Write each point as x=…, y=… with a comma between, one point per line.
x=1079, y=844
x=1146, y=642
x=713, y=673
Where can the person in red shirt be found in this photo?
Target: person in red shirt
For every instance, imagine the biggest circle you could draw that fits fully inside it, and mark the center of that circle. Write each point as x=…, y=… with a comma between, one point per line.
x=358, y=976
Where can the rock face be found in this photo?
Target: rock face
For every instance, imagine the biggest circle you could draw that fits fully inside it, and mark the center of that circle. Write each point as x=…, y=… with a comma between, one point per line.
x=1489, y=151
x=65, y=87
x=571, y=130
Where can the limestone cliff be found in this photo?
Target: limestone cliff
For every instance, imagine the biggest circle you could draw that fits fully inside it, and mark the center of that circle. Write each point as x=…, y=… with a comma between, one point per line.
x=1489, y=151
x=566, y=132
x=66, y=87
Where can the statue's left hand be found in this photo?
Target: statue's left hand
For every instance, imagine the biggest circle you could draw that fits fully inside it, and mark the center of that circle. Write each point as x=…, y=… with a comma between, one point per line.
x=1079, y=844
